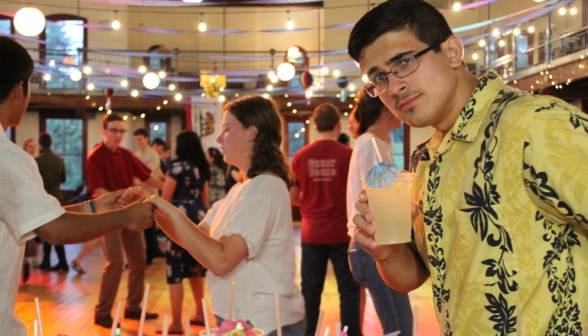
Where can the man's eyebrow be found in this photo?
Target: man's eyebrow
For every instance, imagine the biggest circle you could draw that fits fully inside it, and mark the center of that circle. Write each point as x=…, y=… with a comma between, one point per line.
x=389, y=62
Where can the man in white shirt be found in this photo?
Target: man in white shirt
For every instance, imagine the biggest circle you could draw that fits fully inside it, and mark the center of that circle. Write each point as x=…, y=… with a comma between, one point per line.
x=26, y=209
x=150, y=158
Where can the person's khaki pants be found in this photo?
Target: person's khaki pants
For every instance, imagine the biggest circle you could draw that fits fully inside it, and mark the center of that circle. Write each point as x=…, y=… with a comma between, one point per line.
x=134, y=247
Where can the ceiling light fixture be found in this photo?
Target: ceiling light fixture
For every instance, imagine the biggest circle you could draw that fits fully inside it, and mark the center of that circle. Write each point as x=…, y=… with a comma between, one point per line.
x=289, y=23
x=456, y=7
x=115, y=23
x=202, y=25
x=29, y=21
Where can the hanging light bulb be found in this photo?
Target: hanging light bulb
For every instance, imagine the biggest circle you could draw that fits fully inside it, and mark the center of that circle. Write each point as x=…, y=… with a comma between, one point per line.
x=531, y=29
x=142, y=69
x=90, y=86
x=87, y=70
x=501, y=43
x=29, y=21
x=178, y=96
x=124, y=83
x=456, y=7
x=325, y=70
x=573, y=11
x=562, y=11
x=336, y=73
x=516, y=31
x=482, y=43
x=76, y=75
x=115, y=23
x=495, y=32
x=475, y=56
x=135, y=93
x=202, y=25
x=289, y=23
x=151, y=80
x=47, y=77
x=286, y=71
x=171, y=87
x=161, y=74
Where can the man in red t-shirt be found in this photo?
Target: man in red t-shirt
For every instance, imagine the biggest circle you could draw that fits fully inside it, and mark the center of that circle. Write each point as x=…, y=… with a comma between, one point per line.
x=110, y=167
x=320, y=190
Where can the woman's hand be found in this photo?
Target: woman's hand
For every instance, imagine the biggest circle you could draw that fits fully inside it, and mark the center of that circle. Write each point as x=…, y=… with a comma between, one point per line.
x=132, y=195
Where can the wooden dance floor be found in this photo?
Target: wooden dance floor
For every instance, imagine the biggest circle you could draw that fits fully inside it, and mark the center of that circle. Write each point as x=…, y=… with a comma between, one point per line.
x=67, y=300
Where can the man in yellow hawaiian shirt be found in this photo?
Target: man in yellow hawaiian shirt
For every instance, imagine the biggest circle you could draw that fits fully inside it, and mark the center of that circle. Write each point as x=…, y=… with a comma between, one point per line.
x=500, y=191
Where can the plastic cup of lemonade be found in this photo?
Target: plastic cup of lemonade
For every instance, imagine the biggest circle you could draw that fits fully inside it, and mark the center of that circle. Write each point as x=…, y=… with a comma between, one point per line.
x=390, y=206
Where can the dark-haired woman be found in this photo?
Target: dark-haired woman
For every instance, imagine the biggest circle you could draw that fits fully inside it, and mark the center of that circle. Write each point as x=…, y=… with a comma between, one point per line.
x=216, y=184
x=373, y=120
x=186, y=187
x=247, y=236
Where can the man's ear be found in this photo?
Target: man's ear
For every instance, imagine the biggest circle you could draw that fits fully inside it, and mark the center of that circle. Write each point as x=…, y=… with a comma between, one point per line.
x=18, y=91
x=252, y=133
x=456, y=51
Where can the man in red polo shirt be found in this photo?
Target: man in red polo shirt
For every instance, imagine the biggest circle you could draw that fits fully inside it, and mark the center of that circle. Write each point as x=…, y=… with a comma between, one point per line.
x=110, y=167
x=319, y=189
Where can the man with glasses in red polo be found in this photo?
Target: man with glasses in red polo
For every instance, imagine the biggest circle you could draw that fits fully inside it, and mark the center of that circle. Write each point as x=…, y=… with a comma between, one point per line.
x=500, y=221
x=110, y=167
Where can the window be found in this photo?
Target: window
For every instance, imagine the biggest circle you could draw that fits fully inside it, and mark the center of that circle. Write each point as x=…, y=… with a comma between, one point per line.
x=5, y=25
x=397, y=137
x=67, y=37
x=67, y=135
x=157, y=130
x=296, y=138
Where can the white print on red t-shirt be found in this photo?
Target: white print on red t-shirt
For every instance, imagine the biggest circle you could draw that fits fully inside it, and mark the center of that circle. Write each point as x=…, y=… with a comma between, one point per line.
x=321, y=170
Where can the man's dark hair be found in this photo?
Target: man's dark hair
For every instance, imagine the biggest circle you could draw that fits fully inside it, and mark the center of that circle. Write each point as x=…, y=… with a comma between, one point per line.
x=110, y=117
x=141, y=131
x=45, y=140
x=16, y=65
x=343, y=138
x=416, y=16
x=159, y=142
x=326, y=117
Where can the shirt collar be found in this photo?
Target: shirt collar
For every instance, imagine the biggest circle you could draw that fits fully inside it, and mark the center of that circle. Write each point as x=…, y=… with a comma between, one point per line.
x=471, y=116
x=108, y=151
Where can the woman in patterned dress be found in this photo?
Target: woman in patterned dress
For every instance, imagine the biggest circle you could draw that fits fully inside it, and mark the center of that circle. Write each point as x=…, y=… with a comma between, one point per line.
x=186, y=187
x=216, y=185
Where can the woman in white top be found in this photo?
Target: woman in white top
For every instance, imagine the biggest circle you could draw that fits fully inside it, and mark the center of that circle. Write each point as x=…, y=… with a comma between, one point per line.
x=247, y=236
x=374, y=120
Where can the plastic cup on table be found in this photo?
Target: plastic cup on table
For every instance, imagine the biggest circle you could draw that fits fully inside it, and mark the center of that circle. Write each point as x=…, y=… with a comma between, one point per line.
x=391, y=207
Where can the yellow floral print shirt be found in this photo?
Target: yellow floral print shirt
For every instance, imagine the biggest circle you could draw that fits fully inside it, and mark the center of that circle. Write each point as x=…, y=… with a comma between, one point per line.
x=504, y=229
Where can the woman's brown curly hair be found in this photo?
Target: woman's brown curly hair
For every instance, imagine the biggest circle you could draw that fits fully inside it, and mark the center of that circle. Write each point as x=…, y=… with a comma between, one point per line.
x=262, y=113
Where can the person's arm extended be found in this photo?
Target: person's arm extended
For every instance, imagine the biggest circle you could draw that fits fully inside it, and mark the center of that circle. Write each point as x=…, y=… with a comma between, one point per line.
x=154, y=182
x=169, y=187
x=295, y=196
x=71, y=228
x=399, y=265
x=106, y=202
x=205, y=196
x=218, y=256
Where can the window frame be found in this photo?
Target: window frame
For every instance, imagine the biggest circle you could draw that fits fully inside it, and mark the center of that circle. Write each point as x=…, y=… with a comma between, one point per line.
x=67, y=114
x=11, y=19
x=62, y=17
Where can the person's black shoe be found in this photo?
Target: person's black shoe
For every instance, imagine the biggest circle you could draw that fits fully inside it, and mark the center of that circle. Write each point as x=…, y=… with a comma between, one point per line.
x=136, y=315
x=26, y=272
x=104, y=321
x=148, y=261
x=45, y=266
x=159, y=254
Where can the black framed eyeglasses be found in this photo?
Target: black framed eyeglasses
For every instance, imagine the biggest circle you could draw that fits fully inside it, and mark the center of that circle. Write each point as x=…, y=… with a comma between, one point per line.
x=403, y=67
